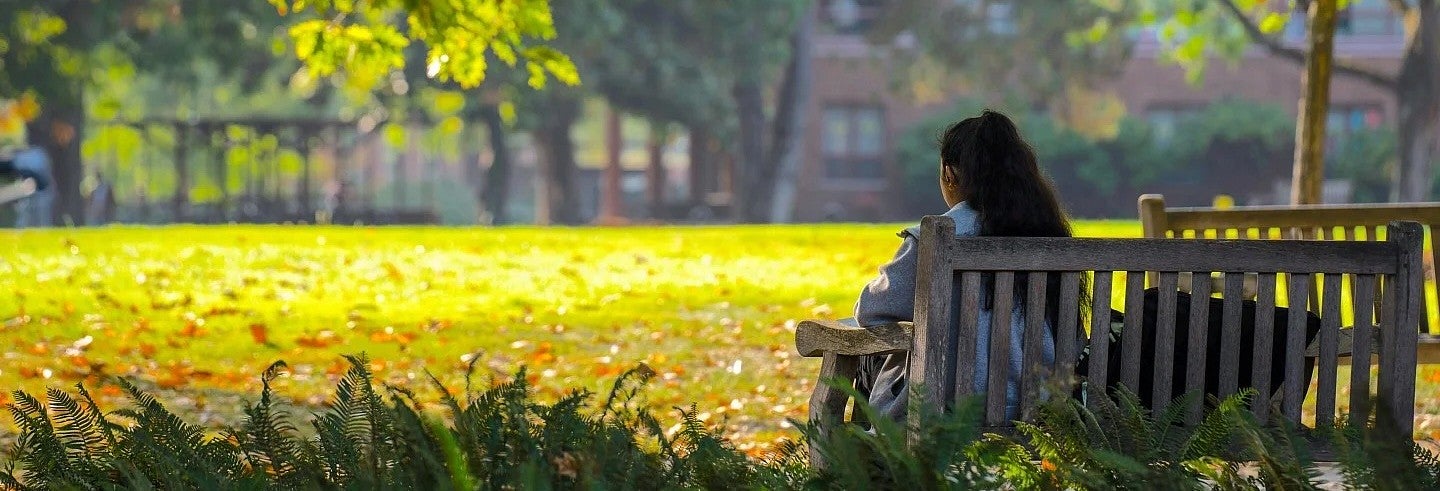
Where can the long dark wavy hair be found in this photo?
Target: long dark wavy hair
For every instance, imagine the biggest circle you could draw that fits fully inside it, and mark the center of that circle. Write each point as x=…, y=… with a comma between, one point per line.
x=997, y=174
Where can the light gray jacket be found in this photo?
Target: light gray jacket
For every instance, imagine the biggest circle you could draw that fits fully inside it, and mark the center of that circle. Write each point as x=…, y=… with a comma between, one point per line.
x=890, y=297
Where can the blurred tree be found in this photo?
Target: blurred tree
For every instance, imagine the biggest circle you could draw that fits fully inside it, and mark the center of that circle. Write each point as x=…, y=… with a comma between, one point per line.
x=1193, y=31
x=459, y=43
x=367, y=40
x=63, y=49
x=1067, y=48
x=747, y=41
x=657, y=77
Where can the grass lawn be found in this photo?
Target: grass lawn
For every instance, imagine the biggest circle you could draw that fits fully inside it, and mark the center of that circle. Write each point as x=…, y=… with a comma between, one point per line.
x=198, y=312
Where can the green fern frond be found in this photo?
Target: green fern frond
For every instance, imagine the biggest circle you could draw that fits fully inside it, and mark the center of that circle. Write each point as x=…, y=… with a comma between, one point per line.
x=1217, y=430
x=266, y=439
x=39, y=452
x=79, y=432
x=106, y=427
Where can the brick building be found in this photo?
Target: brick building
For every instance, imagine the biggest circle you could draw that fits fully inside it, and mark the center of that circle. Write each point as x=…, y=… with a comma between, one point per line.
x=849, y=170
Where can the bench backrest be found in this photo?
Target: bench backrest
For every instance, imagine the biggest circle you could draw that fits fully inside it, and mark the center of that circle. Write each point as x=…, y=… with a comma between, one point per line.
x=953, y=270
x=1364, y=222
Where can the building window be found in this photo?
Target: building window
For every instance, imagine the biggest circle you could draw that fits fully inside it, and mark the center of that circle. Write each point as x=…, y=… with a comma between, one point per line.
x=1000, y=18
x=849, y=16
x=1165, y=121
x=1368, y=18
x=853, y=141
x=998, y=15
x=1343, y=120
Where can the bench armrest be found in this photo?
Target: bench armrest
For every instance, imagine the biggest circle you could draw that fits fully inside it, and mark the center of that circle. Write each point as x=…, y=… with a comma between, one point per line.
x=816, y=337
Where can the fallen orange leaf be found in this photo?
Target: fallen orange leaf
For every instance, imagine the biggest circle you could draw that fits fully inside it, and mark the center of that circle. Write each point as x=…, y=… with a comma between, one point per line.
x=259, y=333
x=170, y=381
x=190, y=330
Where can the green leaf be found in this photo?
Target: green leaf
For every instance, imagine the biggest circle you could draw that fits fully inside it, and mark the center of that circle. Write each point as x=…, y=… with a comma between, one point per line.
x=395, y=135
x=448, y=102
x=507, y=112
x=1274, y=22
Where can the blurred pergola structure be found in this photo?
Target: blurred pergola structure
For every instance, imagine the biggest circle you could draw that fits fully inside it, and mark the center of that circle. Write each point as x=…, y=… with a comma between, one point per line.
x=201, y=150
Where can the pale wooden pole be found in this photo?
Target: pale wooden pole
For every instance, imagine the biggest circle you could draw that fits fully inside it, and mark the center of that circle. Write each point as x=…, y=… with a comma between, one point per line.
x=610, y=201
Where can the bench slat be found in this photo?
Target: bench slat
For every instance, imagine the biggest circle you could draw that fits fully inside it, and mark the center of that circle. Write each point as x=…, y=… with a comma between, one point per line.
x=965, y=348
x=1287, y=216
x=1195, y=360
x=1263, y=350
x=1051, y=254
x=1164, y=342
x=1099, y=377
x=1130, y=337
x=1363, y=301
x=1295, y=343
x=1329, y=359
x=998, y=363
x=1230, y=334
x=1067, y=351
x=1034, y=367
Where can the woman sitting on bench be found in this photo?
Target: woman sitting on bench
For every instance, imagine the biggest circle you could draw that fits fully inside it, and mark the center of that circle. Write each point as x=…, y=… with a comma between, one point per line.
x=993, y=185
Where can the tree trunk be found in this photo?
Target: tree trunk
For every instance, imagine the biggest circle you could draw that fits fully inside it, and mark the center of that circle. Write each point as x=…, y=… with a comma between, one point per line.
x=60, y=127
x=790, y=121
x=655, y=173
x=180, y=201
x=496, y=193
x=473, y=167
x=58, y=131
x=303, y=203
x=1417, y=91
x=702, y=165
x=751, y=201
x=612, y=203
x=555, y=199
x=1306, y=185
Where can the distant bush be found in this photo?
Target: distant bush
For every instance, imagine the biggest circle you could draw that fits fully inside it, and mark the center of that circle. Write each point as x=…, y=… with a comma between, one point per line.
x=1231, y=147
x=1366, y=158
x=501, y=438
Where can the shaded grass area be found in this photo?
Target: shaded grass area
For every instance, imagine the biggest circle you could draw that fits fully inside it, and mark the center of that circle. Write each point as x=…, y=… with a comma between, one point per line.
x=198, y=312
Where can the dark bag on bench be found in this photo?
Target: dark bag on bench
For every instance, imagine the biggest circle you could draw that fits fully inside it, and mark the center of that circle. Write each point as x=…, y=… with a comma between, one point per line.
x=1278, y=347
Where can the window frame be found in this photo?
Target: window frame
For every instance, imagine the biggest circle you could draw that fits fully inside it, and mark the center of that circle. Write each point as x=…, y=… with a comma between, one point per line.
x=851, y=160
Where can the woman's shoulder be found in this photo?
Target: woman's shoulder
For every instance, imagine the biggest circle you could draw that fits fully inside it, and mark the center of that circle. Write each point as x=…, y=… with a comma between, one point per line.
x=965, y=222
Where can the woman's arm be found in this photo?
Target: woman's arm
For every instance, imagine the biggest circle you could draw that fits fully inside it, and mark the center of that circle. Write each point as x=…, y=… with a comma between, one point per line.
x=890, y=297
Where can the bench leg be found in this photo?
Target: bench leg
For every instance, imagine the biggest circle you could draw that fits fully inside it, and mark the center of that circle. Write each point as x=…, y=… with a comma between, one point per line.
x=827, y=403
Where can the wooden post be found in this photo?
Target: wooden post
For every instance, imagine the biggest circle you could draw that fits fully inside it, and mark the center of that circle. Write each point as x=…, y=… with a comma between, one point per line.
x=1306, y=183
x=302, y=197
x=699, y=169
x=221, y=153
x=611, y=208
x=1153, y=222
x=655, y=173
x=181, y=198
x=1152, y=216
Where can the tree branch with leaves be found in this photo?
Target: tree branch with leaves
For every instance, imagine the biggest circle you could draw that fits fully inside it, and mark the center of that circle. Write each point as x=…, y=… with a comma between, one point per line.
x=366, y=39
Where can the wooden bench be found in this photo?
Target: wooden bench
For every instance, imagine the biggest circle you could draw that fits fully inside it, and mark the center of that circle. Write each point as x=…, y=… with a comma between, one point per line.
x=1315, y=222
x=940, y=341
